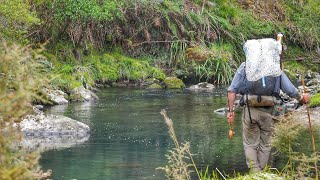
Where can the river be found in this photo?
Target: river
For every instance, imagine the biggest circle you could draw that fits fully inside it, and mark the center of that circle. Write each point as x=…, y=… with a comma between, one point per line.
x=129, y=138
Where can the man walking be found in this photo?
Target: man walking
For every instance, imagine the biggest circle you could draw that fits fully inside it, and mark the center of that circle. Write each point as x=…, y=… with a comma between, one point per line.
x=257, y=118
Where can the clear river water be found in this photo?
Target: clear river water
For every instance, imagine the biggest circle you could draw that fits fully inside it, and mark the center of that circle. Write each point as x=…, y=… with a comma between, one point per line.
x=129, y=138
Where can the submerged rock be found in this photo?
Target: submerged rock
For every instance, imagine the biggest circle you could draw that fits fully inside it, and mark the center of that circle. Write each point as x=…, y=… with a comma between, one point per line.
x=154, y=86
x=82, y=94
x=221, y=111
x=48, y=143
x=173, y=83
x=202, y=86
x=148, y=82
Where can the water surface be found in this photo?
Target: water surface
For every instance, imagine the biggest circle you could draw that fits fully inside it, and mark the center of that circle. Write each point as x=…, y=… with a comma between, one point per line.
x=129, y=138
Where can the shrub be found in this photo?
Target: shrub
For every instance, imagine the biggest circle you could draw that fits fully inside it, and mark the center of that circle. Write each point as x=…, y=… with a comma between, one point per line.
x=19, y=83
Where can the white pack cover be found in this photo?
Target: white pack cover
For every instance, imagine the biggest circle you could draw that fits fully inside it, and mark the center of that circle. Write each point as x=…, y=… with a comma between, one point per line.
x=262, y=58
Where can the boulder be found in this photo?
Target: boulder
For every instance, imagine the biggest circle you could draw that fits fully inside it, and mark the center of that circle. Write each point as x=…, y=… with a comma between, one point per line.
x=56, y=96
x=81, y=94
x=148, y=82
x=154, y=86
x=44, y=133
x=173, y=83
x=202, y=86
x=40, y=125
x=312, y=82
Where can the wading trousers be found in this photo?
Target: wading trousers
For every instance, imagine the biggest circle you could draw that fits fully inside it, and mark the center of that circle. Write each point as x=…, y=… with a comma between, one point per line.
x=256, y=137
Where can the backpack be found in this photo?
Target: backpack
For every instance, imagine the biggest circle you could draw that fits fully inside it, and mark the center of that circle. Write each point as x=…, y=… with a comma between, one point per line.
x=262, y=68
x=262, y=58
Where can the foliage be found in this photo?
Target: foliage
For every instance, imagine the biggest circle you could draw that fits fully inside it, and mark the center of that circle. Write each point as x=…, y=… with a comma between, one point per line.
x=167, y=30
x=285, y=139
x=315, y=100
x=18, y=87
x=103, y=68
x=16, y=18
x=303, y=19
x=218, y=67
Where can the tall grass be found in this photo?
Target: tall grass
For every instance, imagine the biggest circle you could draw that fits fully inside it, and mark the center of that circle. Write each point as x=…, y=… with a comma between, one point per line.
x=287, y=136
x=177, y=168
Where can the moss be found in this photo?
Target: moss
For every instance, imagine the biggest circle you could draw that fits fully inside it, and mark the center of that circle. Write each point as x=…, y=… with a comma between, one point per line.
x=315, y=100
x=154, y=86
x=174, y=83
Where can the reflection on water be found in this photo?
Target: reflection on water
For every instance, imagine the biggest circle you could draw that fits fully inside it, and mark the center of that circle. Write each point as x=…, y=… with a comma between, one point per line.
x=129, y=139
x=42, y=144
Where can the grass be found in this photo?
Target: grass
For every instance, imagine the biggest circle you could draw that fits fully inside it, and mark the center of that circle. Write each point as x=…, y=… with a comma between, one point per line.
x=177, y=168
x=96, y=67
x=315, y=100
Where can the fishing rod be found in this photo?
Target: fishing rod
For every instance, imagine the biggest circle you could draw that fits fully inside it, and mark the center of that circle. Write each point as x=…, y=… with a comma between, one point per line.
x=311, y=131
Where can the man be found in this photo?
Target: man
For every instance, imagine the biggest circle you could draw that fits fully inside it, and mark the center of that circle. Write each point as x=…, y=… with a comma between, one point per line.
x=257, y=121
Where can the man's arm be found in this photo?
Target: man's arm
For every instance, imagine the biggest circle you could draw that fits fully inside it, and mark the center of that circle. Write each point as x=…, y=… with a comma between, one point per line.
x=237, y=84
x=292, y=91
x=231, y=98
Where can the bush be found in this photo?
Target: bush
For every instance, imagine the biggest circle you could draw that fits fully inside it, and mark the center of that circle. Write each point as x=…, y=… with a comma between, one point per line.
x=19, y=83
x=16, y=18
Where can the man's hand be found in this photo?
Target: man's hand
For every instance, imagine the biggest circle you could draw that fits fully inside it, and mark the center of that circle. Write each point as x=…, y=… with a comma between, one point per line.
x=304, y=98
x=230, y=117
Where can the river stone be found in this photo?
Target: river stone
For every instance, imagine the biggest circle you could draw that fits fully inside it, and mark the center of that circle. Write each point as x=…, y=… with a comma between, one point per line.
x=149, y=81
x=312, y=82
x=40, y=125
x=81, y=94
x=202, y=86
x=221, y=111
x=173, y=83
x=154, y=86
x=56, y=96
x=301, y=116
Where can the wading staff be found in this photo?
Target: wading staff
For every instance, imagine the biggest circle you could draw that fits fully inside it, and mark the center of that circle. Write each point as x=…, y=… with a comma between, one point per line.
x=311, y=131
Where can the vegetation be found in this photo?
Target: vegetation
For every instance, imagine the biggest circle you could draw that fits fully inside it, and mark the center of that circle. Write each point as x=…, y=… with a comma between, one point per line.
x=315, y=100
x=18, y=87
x=90, y=41
x=16, y=19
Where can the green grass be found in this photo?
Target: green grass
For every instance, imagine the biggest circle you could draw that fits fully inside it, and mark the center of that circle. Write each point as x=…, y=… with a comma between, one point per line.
x=102, y=68
x=315, y=100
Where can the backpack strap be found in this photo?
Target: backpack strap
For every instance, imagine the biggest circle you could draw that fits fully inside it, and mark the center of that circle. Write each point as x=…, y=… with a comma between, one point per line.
x=248, y=108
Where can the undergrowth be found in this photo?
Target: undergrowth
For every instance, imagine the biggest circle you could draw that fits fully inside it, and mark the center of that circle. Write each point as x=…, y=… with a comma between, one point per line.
x=19, y=86
x=100, y=68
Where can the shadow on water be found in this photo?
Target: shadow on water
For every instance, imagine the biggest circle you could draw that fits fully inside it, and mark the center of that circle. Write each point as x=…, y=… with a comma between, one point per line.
x=129, y=139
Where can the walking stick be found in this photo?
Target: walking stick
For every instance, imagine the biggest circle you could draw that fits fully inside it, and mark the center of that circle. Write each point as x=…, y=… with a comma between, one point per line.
x=311, y=131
